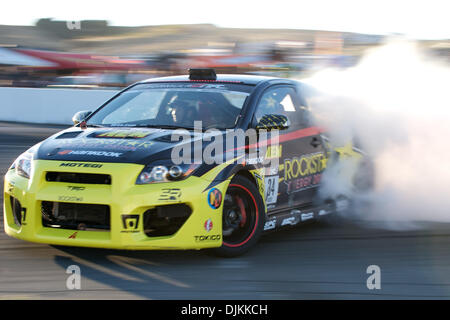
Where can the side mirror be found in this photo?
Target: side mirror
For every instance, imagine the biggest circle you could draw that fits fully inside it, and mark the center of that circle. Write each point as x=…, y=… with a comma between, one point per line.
x=272, y=122
x=80, y=116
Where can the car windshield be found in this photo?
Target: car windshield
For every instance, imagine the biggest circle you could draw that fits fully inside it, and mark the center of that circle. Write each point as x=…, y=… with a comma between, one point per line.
x=174, y=105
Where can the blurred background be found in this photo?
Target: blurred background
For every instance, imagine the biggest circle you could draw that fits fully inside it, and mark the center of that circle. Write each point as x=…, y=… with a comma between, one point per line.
x=49, y=54
x=94, y=53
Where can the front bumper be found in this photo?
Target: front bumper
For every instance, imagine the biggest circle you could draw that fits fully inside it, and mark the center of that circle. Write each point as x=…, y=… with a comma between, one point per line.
x=124, y=199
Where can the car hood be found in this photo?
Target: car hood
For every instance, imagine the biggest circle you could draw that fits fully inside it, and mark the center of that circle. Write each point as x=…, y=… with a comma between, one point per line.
x=119, y=145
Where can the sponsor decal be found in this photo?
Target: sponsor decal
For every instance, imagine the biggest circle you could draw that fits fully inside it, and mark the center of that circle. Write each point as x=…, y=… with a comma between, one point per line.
x=170, y=194
x=91, y=153
x=304, y=166
x=254, y=161
x=274, y=151
x=270, y=225
x=126, y=145
x=188, y=85
x=130, y=223
x=307, y=216
x=122, y=134
x=108, y=144
x=208, y=225
x=70, y=198
x=77, y=164
x=259, y=180
x=257, y=176
x=214, y=198
x=304, y=172
x=10, y=187
x=323, y=212
x=213, y=86
x=261, y=188
x=292, y=221
x=76, y=188
x=73, y=235
x=202, y=238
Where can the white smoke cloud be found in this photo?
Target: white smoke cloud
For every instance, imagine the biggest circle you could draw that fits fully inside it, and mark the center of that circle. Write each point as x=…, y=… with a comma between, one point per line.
x=396, y=101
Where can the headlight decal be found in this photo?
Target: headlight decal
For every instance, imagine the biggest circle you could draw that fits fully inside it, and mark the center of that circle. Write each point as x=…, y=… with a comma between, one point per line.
x=23, y=165
x=165, y=173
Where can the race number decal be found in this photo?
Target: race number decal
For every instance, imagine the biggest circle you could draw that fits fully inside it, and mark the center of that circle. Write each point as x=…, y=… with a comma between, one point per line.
x=271, y=184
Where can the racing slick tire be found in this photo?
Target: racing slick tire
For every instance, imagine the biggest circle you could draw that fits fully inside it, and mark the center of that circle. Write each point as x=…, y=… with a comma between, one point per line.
x=242, y=218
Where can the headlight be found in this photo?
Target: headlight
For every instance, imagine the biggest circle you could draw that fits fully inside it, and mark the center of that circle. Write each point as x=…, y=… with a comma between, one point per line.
x=165, y=173
x=24, y=162
x=23, y=165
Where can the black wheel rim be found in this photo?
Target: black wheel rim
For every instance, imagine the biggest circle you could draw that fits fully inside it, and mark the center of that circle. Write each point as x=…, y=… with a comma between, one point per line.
x=240, y=216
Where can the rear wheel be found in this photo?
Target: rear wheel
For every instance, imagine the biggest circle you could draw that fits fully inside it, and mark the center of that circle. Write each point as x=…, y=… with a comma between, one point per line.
x=242, y=218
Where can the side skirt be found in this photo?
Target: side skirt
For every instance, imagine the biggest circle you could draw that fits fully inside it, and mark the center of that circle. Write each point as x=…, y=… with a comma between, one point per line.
x=295, y=216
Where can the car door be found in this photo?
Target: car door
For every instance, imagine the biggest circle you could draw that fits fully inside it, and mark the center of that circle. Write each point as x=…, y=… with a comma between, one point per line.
x=300, y=153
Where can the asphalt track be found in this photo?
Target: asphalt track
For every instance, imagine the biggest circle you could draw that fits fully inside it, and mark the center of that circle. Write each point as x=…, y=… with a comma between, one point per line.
x=323, y=260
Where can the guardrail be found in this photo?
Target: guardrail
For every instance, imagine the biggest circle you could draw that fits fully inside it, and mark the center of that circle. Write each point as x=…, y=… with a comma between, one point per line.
x=48, y=106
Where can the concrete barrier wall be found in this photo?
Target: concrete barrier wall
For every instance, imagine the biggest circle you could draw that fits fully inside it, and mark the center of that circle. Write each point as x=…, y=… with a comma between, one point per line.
x=45, y=105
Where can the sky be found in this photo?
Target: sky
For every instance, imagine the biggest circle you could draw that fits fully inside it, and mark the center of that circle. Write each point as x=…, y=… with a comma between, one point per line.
x=426, y=19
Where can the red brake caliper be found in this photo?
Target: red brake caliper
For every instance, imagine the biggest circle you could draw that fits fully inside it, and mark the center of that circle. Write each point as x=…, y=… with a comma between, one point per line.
x=240, y=204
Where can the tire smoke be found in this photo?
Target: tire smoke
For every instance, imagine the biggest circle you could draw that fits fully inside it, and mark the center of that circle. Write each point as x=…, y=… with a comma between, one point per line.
x=396, y=104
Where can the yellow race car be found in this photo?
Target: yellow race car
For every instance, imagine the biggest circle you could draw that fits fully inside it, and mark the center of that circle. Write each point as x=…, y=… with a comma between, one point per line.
x=115, y=179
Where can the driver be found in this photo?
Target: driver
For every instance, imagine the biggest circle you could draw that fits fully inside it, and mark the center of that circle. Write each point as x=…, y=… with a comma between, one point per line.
x=182, y=113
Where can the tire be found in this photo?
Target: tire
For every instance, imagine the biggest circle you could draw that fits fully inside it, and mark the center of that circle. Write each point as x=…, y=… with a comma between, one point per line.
x=242, y=218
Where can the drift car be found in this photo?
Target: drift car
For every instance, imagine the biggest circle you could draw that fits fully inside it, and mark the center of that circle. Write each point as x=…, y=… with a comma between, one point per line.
x=111, y=181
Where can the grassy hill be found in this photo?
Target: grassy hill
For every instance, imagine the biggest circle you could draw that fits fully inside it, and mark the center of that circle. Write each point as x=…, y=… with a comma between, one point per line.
x=98, y=37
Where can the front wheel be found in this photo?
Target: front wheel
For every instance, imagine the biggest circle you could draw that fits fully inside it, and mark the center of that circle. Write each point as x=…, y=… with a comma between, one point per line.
x=242, y=218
